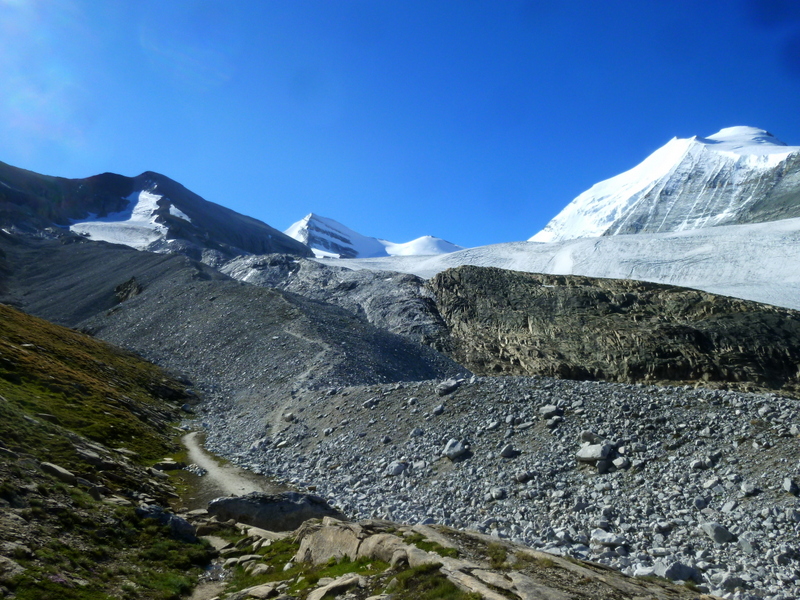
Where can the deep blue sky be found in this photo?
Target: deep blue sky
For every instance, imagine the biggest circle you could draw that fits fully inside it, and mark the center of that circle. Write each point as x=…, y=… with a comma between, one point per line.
x=475, y=121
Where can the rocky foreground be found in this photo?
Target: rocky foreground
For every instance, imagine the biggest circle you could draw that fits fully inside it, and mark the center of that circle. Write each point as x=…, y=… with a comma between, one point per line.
x=693, y=485
x=378, y=559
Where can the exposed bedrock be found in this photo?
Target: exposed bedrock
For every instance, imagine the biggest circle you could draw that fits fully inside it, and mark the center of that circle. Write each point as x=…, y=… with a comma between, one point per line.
x=507, y=322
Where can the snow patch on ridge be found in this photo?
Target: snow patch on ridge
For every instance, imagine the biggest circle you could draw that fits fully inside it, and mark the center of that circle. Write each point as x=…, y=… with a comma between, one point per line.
x=136, y=226
x=176, y=212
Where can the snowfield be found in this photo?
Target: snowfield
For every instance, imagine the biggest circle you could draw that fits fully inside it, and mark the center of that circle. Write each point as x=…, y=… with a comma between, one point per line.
x=136, y=226
x=758, y=262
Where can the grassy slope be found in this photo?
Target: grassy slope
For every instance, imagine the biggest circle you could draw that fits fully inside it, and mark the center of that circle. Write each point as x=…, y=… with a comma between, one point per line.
x=60, y=389
x=90, y=387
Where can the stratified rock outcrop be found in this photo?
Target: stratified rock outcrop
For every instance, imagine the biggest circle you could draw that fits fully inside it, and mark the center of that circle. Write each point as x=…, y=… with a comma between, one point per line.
x=506, y=322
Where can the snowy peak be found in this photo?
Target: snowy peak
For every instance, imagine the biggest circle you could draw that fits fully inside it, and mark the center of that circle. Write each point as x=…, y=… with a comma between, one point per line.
x=744, y=140
x=737, y=175
x=330, y=239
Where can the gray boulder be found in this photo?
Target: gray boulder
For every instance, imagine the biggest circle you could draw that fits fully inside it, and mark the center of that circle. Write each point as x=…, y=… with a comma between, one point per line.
x=448, y=387
x=717, y=532
x=395, y=468
x=273, y=512
x=9, y=569
x=676, y=571
x=509, y=451
x=59, y=473
x=605, y=538
x=592, y=453
x=455, y=449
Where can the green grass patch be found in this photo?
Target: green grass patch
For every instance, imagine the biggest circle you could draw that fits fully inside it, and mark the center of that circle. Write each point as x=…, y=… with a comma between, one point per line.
x=85, y=385
x=497, y=555
x=140, y=560
x=536, y=562
x=421, y=542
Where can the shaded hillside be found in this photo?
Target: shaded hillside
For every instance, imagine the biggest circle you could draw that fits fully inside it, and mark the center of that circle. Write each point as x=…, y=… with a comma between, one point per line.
x=80, y=424
x=70, y=279
x=506, y=322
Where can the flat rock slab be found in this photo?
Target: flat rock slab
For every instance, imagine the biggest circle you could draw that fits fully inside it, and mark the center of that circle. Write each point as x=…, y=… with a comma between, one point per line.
x=338, y=585
x=59, y=473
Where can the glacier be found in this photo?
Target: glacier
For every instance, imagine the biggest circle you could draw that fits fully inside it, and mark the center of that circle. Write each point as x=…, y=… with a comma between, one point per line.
x=136, y=226
x=759, y=261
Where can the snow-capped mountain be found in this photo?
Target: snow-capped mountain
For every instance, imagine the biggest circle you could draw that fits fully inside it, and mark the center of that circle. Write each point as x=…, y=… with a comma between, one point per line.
x=330, y=239
x=738, y=175
x=148, y=212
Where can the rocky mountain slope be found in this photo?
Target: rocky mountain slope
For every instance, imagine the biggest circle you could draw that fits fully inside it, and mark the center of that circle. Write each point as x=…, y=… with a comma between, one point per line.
x=393, y=301
x=737, y=175
x=330, y=239
x=80, y=516
x=506, y=322
x=150, y=211
x=689, y=484
x=317, y=376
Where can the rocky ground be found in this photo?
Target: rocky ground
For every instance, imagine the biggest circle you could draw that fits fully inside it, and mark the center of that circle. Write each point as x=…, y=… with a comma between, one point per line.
x=689, y=484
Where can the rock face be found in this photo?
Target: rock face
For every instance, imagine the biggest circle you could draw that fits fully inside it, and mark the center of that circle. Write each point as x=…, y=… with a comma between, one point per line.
x=463, y=558
x=273, y=512
x=506, y=322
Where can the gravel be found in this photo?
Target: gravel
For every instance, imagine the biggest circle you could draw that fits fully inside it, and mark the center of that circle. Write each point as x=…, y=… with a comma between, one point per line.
x=640, y=504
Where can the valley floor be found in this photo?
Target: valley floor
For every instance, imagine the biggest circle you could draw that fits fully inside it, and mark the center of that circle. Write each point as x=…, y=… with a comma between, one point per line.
x=693, y=484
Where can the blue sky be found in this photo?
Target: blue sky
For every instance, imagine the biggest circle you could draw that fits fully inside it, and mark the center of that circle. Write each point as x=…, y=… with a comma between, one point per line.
x=475, y=121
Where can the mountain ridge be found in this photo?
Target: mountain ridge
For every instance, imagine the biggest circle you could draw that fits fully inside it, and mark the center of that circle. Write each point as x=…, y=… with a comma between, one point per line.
x=170, y=217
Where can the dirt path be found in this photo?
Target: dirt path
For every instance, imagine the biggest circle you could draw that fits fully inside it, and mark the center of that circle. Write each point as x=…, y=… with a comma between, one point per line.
x=220, y=479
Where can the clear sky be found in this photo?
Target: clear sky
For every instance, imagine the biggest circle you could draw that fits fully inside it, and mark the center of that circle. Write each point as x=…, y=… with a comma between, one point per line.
x=471, y=120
